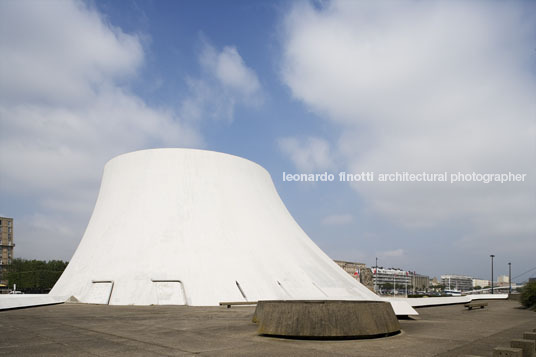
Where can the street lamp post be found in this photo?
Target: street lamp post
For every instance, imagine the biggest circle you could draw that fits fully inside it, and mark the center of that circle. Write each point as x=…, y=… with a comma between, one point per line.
x=376, y=276
x=509, y=278
x=492, y=256
x=407, y=278
x=394, y=284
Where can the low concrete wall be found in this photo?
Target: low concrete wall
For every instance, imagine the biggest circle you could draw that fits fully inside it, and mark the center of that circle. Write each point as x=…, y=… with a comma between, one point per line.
x=28, y=300
x=529, y=336
x=526, y=345
x=507, y=352
x=326, y=319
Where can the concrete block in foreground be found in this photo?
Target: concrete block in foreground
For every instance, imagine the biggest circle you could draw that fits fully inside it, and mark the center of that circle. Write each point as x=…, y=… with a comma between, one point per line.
x=507, y=352
x=324, y=319
x=529, y=336
x=526, y=345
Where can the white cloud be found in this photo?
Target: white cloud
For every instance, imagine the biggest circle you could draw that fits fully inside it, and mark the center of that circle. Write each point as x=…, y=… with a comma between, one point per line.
x=393, y=253
x=231, y=71
x=425, y=86
x=60, y=52
x=65, y=109
x=309, y=154
x=225, y=83
x=338, y=219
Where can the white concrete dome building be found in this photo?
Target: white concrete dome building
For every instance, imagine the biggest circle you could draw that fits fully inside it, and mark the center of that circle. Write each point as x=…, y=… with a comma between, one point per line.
x=195, y=227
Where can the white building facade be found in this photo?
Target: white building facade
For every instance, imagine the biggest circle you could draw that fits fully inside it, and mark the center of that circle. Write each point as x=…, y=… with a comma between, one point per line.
x=481, y=282
x=457, y=282
x=388, y=281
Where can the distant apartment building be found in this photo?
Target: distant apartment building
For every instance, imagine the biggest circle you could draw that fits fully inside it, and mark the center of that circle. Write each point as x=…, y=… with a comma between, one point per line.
x=420, y=282
x=6, y=245
x=481, y=282
x=396, y=279
x=457, y=282
x=502, y=280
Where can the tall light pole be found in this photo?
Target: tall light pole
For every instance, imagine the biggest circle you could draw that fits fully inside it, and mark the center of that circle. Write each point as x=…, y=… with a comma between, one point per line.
x=509, y=278
x=492, y=256
x=394, y=284
x=376, y=277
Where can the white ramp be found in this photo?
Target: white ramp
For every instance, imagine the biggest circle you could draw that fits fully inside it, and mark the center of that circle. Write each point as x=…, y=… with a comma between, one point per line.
x=443, y=300
x=16, y=301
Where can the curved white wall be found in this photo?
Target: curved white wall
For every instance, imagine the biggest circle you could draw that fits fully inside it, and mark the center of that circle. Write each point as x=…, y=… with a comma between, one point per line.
x=175, y=226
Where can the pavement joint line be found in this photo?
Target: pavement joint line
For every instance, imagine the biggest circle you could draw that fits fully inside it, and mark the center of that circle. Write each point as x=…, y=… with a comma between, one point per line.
x=481, y=339
x=46, y=342
x=132, y=339
x=123, y=337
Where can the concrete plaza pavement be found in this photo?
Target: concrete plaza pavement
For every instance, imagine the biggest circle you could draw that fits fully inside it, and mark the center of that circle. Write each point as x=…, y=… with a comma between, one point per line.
x=101, y=330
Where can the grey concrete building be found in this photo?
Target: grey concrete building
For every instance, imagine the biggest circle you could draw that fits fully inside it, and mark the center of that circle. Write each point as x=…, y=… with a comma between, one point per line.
x=6, y=245
x=457, y=282
x=359, y=271
x=420, y=282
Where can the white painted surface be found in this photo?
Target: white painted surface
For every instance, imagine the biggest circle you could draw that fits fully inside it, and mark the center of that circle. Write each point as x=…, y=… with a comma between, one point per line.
x=169, y=293
x=212, y=221
x=98, y=293
x=434, y=301
x=8, y=301
x=402, y=307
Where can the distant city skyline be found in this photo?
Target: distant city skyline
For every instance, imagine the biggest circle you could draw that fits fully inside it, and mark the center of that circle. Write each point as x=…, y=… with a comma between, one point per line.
x=300, y=87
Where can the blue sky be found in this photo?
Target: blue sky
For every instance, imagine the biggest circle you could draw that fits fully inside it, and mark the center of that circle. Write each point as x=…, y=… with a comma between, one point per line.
x=298, y=87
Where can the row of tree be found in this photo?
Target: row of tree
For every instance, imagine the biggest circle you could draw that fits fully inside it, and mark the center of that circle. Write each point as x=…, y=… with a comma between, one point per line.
x=34, y=276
